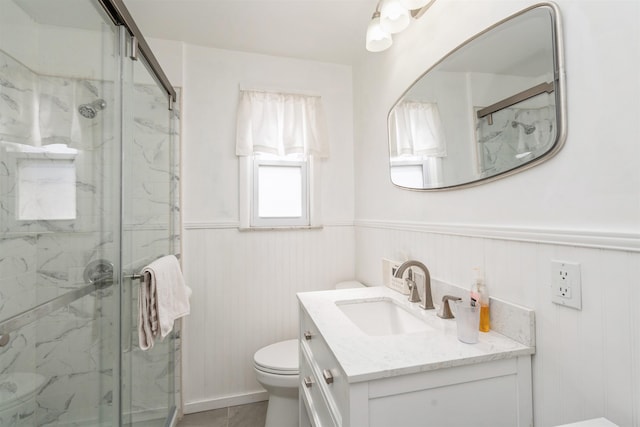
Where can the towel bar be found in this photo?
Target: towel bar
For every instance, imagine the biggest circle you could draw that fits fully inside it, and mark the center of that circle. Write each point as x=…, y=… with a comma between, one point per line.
x=140, y=276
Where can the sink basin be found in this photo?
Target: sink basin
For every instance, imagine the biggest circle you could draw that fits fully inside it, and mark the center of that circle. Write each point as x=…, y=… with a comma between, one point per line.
x=382, y=317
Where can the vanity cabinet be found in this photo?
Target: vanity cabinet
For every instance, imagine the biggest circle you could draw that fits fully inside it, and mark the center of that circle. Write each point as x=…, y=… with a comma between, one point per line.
x=491, y=393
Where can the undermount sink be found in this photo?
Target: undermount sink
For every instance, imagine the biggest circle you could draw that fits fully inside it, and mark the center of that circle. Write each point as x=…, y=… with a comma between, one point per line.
x=382, y=317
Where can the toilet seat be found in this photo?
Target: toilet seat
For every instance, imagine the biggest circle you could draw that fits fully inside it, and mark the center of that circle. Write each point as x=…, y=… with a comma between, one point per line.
x=280, y=358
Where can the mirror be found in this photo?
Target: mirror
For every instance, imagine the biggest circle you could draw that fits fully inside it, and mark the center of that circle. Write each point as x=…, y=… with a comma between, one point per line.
x=492, y=107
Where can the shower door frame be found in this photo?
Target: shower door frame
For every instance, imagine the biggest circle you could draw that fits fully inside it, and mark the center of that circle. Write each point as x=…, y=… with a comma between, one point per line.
x=133, y=45
x=130, y=276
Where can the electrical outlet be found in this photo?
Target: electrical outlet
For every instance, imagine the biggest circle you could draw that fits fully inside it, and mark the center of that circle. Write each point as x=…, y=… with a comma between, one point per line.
x=389, y=268
x=566, y=286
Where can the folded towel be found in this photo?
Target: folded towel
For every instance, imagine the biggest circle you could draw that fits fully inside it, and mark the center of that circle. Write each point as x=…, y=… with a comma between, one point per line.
x=163, y=297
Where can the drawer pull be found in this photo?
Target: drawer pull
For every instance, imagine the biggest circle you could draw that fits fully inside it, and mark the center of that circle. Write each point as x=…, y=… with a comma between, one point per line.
x=308, y=382
x=328, y=377
x=307, y=335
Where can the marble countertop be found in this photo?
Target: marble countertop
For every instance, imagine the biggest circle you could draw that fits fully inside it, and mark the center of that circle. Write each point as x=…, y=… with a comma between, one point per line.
x=363, y=357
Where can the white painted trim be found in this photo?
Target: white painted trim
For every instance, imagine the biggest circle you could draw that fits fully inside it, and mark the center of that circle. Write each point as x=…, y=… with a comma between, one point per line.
x=224, y=402
x=581, y=238
x=623, y=241
x=230, y=223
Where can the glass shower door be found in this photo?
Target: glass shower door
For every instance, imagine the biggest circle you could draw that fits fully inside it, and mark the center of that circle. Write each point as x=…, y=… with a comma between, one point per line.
x=59, y=214
x=149, y=212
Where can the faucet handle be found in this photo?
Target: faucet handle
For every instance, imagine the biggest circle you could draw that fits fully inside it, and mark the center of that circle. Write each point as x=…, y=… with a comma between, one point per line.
x=445, y=312
x=414, y=296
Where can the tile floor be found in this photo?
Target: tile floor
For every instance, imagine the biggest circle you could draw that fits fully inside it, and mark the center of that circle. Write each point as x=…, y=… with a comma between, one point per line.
x=250, y=415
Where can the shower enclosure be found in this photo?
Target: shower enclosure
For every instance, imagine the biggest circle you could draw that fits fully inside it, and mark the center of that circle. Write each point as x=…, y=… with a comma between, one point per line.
x=88, y=196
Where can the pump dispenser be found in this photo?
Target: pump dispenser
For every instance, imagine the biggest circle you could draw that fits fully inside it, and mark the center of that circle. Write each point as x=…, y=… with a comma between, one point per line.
x=479, y=295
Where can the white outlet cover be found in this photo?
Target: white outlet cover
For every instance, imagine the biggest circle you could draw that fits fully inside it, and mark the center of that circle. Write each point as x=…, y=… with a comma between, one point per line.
x=566, y=284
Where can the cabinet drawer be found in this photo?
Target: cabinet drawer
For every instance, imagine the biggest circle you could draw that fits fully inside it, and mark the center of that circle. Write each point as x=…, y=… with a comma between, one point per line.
x=314, y=400
x=330, y=376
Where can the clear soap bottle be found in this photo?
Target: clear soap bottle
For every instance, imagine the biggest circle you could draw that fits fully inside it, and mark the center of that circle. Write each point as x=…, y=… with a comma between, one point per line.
x=479, y=295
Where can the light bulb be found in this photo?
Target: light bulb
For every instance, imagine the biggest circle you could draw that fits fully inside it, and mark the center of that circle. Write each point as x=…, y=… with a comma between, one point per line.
x=393, y=16
x=377, y=39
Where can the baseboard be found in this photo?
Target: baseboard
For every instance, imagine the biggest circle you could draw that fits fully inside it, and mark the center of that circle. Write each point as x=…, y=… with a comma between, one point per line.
x=224, y=402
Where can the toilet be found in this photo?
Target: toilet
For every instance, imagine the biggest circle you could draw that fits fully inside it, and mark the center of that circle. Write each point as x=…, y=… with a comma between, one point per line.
x=276, y=368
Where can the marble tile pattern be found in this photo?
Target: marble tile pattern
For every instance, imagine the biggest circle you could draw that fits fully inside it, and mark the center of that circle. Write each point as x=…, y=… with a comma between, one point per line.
x=501, y=142
x=36, y=111
x=76, y=347
x=363, y=357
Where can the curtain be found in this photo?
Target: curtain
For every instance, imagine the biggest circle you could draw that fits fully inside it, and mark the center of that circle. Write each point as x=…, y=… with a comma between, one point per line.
x=416, y=130
x=280, y=124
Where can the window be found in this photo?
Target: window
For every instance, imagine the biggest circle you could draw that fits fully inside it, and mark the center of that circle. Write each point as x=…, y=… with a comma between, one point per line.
x=416, y=173
x=278, y=136
x=280, y=190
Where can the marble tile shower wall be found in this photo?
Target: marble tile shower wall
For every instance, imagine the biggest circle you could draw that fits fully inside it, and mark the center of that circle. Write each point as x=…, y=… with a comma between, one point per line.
x=74, y=348
x=151, y=229
x=533, y=129
x=43, y=259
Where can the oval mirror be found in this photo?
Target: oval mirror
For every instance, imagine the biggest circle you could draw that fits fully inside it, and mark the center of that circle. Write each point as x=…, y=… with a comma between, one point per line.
x=492, y=107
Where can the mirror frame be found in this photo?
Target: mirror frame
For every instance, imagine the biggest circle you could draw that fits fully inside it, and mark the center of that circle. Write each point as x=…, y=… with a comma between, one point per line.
x=559, y=81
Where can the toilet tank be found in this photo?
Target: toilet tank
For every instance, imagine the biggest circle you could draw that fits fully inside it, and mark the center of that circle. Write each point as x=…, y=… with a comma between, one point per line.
x=349, y=284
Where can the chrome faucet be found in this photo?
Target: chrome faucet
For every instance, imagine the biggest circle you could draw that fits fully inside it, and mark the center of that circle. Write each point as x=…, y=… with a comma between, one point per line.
x=427, y=304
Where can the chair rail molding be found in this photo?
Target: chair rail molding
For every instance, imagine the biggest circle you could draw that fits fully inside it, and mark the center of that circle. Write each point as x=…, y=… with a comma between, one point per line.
x=601, y=239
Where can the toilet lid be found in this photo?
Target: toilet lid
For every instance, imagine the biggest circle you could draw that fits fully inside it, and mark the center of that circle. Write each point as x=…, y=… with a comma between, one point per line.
x=278, y=358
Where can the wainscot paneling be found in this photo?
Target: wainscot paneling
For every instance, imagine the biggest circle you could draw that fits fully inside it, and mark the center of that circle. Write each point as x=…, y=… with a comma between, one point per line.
x=244, y=297
x=586, y=362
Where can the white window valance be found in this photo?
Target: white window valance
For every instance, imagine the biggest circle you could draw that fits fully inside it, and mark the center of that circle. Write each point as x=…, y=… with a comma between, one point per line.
x=280, y=124
x=416, y=130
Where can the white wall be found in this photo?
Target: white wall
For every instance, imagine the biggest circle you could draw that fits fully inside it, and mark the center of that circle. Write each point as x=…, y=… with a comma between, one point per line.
x=582, y=205
x=244, y=283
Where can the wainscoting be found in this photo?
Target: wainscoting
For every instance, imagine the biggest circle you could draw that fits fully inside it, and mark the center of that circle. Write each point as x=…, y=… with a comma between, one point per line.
x=244, y=297
x=245, y=282
x=586, y=362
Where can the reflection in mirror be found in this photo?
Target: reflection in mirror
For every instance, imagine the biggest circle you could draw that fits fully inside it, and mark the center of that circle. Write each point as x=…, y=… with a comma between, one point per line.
x=492, y=107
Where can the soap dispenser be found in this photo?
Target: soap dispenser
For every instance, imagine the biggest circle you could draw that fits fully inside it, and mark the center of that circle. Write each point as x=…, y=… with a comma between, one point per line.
x=479, y=295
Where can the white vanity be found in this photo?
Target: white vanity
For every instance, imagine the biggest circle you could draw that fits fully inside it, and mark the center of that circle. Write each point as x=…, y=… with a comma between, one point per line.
x=356, y=373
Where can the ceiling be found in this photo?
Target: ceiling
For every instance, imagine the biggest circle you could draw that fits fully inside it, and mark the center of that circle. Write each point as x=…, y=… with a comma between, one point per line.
x=320, y=30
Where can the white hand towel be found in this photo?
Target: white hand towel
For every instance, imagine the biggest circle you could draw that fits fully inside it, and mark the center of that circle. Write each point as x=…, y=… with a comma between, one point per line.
x=163, y=298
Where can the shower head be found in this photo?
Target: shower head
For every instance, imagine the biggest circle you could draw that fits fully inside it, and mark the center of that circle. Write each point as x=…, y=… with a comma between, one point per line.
x=528, y=129
x=90, y=111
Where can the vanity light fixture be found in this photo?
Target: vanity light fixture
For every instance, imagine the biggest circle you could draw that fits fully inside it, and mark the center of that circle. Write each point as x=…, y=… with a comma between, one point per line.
x=377, y=38
x=391, y=17
x=394, y=17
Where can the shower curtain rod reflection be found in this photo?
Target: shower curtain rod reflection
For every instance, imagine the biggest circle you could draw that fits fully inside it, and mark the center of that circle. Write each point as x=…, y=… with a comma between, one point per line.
x=121, y=16
x=547, y=87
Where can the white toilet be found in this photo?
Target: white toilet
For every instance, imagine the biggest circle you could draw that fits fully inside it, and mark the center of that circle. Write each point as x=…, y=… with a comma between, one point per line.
x=276, y=368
